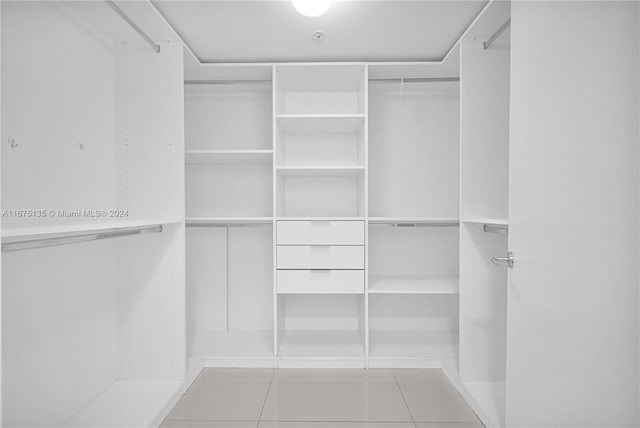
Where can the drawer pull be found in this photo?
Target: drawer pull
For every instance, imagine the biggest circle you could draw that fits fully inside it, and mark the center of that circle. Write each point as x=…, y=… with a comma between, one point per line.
x=320, y=270
x=321, y=246
x=320, y=223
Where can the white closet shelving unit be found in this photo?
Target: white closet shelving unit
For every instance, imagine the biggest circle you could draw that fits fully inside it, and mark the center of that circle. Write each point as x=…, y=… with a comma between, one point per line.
x=484, y=200
x=229, y=200
x=413, y=223
x=320, y=122
x=363, y=264
x=93, y=325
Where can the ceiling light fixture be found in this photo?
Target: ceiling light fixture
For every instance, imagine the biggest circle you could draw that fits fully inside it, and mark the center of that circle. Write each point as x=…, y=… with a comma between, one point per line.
x=311, y=8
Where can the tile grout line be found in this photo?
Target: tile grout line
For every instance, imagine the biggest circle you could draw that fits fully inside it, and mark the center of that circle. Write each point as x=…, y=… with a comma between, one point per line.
x=264, y=403
x=404, y=399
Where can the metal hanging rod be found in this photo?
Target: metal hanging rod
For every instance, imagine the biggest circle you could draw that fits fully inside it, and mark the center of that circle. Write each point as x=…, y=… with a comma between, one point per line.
x=150, y=42
x=400, y=225
x=225, y=225
x=371, y=81
x=228, y=82
x=415, y=80
x=74, y=239
x=487, y=44
x=496, y=228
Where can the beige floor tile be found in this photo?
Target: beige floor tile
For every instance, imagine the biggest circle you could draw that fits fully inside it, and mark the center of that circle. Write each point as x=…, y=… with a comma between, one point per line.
x=418, y=374
x=290, y=424
x=208, y=424
x=350, y=396
x=434, y=399
x=223, y=398
x=334, y=373
x=237, y=372
x=450, y=425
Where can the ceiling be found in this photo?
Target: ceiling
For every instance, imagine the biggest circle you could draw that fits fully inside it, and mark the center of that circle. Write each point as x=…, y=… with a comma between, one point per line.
x=238, y=31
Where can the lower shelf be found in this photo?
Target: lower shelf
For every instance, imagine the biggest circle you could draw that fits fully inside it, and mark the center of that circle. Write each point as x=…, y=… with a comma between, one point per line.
x=394, y=344
x=487, y=400
x=322, y=345
x=412, y=285
x=235, y=344
x=129, y=404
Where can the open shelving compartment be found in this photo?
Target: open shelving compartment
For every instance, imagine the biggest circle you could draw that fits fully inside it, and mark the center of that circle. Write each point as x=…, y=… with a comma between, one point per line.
x=414, y=159
x=320, y=140
x=230, y=306
x=413, y=236
x=93, y=331
x=484, y=202
x=229, y=205
x=483, y=319
x=229, y=154
x=413, y=294
x=321, y=330
x=320, y=192
x=320, y=90
x=484, y=134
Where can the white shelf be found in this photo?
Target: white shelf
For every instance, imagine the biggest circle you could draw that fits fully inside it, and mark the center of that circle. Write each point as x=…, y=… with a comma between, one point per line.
x=18, y=231
x=129, y=404
x=195, y=221
x=487, y=399
x=479, y=220
x=332, y=171
x=228, y=156
x=403, y=344
x=293, y=218
x=321, y=123
x=234, y=344
x=321, y=344
x=415, y=220
x=412, y=285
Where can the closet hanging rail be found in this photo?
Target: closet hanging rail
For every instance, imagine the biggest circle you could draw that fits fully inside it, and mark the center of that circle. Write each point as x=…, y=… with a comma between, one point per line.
x=415, y=80
x=400, y=225
x=495, y=228
x=228, y=82
x=75, y=239
x=371, y=81
x=487, y=44
x=150, y=42
x=226, y=225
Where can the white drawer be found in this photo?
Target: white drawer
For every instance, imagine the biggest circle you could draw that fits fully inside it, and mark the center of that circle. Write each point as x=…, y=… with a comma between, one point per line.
x=320, y=257
x=302, y=232
x=320, y=281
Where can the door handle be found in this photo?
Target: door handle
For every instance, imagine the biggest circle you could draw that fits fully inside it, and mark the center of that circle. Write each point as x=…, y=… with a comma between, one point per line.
x=509, y=260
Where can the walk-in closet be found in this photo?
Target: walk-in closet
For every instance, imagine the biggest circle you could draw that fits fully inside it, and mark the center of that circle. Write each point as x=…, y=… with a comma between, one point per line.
x=391, y=188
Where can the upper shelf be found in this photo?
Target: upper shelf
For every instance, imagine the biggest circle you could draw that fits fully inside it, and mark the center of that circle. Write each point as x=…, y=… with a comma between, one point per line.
x=320, y=170
x=228, y=156
x=321, y=123
x=494, y=221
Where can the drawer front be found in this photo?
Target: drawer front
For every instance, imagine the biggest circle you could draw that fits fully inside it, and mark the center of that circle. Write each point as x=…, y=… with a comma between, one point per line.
x=320, y=257
x=320, y=281
x=320, y=232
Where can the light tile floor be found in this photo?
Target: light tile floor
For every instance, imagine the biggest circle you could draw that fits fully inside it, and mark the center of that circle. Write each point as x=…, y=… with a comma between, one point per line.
x=321, y=398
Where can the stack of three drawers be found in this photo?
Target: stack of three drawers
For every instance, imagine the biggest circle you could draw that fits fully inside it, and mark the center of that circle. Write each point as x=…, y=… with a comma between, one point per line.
x=320, y=257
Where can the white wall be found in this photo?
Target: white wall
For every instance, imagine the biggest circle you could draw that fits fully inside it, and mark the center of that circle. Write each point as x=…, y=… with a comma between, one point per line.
x=574, y=194
x=59, y=336
x=58, y=92
x=413, y=150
